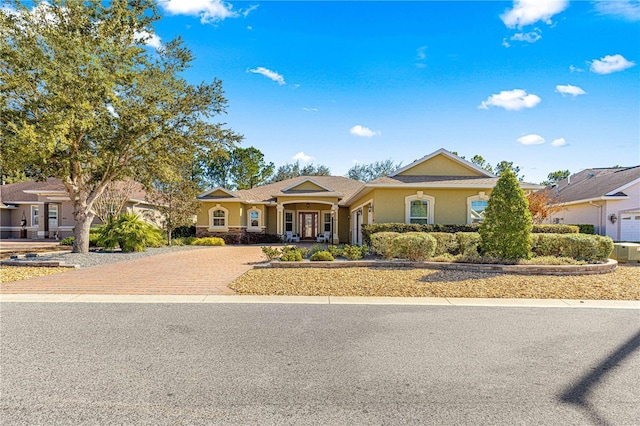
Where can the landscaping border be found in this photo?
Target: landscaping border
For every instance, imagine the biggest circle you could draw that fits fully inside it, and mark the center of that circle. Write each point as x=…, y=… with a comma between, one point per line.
x=592, y=269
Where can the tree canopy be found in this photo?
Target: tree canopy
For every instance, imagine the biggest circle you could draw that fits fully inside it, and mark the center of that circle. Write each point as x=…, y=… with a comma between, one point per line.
x=84, y=99
x=292, y=170
x=241, y=168
x=555, y=177
x=369, y=172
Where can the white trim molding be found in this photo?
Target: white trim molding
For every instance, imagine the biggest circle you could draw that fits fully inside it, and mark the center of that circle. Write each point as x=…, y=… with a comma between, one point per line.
x=482, y=196
x=224, y=228
x=250, y=226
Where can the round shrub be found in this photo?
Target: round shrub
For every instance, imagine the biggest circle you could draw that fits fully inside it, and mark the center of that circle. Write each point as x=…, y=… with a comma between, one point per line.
x=468, y=243
x=129, y=232
x=382, y=244
x=352, y=252
x=321, y=256
x=414, y=246
x=585, y=247
x=446, y=243
x=291, y=256
x=67, y=241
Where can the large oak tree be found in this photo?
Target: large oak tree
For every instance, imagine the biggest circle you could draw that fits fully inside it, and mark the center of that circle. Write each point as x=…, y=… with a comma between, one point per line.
x=85, y=99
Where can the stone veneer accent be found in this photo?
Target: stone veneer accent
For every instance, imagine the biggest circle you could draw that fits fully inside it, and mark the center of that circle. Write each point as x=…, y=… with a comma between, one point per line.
x=203, y=231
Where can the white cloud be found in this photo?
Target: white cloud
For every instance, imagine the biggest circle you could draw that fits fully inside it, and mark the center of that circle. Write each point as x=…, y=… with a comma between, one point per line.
x=559, y=142
x=269, y=74
x=531, y=140
x=421, y=53
x=575, y=69
x=151, y=40
x=505, y=43
x=526, y=12
x=511, y=100
x=301, y=156
x=249, y=27
x=247, y=11
x=570, y=90
x=530, y=37
x=365, y=132
x=313, y=109
x=208, y=10
x=626, y=9
x=610, y=63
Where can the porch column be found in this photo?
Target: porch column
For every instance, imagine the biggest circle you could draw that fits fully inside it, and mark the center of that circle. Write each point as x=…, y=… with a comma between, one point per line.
x=280, y=219
x=334, y=214
x=46, y=220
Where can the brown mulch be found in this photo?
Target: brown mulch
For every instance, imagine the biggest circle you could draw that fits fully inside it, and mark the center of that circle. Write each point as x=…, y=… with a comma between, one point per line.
x=622, y=284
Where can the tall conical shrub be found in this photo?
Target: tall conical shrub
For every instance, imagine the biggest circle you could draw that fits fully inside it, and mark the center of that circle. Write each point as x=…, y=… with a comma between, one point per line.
x=506, y=230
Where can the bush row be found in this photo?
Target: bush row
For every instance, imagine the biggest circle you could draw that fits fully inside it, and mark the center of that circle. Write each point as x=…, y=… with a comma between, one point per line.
x=316, y=253
x=422, y=245
x=247, y=238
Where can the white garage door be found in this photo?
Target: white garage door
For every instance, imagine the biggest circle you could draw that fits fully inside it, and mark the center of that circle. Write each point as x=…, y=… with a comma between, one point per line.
x=630, y=226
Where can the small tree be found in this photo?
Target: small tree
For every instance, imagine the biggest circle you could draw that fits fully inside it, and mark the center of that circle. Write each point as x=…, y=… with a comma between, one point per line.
x=111, y=202
x=542, y=205
x=506, y=230
x=369, y=172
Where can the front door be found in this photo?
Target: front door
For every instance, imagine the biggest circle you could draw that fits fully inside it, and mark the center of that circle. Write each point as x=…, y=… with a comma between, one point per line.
x=308, y=225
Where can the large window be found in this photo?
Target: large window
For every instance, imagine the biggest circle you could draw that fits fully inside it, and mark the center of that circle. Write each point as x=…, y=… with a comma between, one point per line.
x=419, y=208
x=476, y=206
x=288, y=221
x=254, y=219
x=53, y=216
x=218, y=218
x=35, y=215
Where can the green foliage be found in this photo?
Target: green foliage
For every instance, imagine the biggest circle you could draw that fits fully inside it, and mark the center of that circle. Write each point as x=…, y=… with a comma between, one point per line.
x=316, y=248
x=129, y=232
x=585, y=247
x=93, y=240
x=414, y=246
x=66, y=241
x=555, y=177
x=370, y=229
x=369, y=172
x=555, y=229
x=293, y=170
x=335, y=250
x=382, y=244
x=293, y=255
x=468, y=243
x=446, y=243
x=241, y=168
x=321, y=256
x=503, y=166
x=207, y=241
x=352, y=252
x=479, y=161
x=506, y=229
x=586, y=228
x=85, y=99
x=270, y=252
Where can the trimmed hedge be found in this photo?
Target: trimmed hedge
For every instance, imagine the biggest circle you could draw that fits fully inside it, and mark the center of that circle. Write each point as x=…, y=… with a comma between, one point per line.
x=414, y=246
x=207, y=241
x=401, y=228
x=555, y=229
x=577, y=246
x=468, y=243
x=446, y=243
x=382, y=243
x=586, y=228
x=292, y=255
x=247, y=238
x=321, y=256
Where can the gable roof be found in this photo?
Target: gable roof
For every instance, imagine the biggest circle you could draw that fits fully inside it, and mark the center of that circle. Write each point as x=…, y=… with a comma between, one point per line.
x=209, y=193
x=328, y=186
x=590, y=184
x=450, y=156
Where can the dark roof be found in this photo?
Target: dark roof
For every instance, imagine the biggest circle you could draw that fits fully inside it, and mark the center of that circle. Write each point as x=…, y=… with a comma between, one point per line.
x=594, y=183
x=341, y=187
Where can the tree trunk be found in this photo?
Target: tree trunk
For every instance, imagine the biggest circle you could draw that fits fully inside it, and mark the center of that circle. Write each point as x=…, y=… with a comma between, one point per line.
x=82, y=219
x=169, y=236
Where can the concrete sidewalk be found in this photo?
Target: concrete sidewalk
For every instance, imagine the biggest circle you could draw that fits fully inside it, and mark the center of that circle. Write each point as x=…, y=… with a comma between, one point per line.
x=319, y=300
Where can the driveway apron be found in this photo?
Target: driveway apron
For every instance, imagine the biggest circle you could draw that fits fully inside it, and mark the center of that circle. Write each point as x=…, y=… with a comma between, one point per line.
x=196, y=272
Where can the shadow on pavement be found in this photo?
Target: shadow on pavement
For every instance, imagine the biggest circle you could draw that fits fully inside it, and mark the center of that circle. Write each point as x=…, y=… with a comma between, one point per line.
x=578, y=394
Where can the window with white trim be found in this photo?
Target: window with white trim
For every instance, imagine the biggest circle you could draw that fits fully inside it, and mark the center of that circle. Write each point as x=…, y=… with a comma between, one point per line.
x=53, y=215
x=327, y=222
x=288, y=221
x=218, y=218
x=476, y=206
x=254, y=219
x=35, y=215
x=419, y=208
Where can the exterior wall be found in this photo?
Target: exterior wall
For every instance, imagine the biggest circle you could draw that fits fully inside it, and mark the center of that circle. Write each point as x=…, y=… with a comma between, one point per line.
x=450, y=206
x=440, y=166
x=600, y=216
x=235, y=215
x=344, y=232
x=271, y=220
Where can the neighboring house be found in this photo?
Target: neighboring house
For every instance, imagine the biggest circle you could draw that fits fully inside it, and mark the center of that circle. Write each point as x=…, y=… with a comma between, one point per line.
x=608, y=198
x=43, y=209
x=439, y=188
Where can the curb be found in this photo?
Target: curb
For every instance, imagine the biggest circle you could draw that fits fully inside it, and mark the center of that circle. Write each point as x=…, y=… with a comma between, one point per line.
x=320, y=300
x=602, y=268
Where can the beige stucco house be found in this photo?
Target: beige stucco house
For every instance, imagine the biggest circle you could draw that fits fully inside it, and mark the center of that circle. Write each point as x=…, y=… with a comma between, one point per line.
x=608, y=198
x=43, y=209
x=438, y=188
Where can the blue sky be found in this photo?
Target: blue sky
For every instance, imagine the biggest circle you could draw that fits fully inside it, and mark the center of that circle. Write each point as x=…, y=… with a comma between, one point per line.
x=548, y=85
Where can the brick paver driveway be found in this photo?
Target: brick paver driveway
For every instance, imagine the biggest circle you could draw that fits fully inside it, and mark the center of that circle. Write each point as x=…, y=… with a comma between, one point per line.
x=203, y=271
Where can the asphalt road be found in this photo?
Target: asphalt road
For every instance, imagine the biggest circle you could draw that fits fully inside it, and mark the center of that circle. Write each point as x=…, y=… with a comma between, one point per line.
x=317, y=364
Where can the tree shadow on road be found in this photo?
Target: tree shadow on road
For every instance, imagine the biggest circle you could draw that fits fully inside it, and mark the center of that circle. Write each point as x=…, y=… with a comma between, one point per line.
x=451, y=276
x=578, y=394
